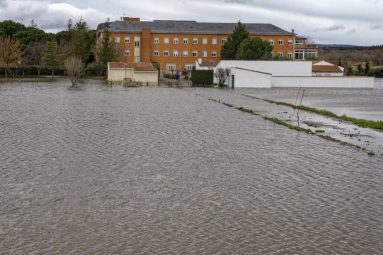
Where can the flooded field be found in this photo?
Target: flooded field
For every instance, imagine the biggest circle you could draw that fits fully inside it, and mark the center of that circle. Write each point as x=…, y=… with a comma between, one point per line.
x=358, y=103
x=112, y=170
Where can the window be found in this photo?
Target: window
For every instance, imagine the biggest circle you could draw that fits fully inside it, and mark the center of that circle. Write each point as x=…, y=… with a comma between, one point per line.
x=185, y=53
x=175, y=40
x=195, y=40
x=214, y=54
x=214, y=41
x=290, y=55
x=137, y=44
x=166, y=53
x=156, y=40
x=156, y=53
x=136, y=59
x=223, y=41
x=280, y=42
x=204, y=53
x=175, y=53
x=290, y=42
x=171, y=67
x=195, y=53
x=271, y=42
x=127, y=40
x=127, y=53
x=117, y=39
x=189, y=67
x=186, y=40
x=204, y=40
x=166, y=40
x=280, y=54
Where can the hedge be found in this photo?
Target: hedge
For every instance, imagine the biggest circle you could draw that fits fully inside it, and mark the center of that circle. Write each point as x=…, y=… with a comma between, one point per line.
x=202, y=77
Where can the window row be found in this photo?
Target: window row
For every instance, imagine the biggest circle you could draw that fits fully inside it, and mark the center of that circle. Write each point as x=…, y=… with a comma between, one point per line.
x=127, y=40
x=280, y=55
x=185, y=40
x=173, y=67
x=282, y=42
x=185, y=53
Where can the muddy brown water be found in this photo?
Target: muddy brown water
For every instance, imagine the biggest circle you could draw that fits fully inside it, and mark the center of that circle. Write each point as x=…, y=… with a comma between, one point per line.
x=103, y=170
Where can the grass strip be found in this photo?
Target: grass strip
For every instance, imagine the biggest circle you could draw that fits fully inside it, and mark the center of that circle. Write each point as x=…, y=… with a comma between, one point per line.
x=378, y=125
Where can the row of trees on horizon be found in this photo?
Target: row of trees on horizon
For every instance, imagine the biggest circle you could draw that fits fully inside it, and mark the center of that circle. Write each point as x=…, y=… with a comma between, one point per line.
x=30, y=46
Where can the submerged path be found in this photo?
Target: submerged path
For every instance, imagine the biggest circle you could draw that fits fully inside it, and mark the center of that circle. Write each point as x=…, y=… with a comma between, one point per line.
x=165, y=171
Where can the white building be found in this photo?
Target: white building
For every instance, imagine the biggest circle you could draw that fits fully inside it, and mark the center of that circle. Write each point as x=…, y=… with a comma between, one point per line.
x=143, y=73
x=245, y=74
x=268, y=74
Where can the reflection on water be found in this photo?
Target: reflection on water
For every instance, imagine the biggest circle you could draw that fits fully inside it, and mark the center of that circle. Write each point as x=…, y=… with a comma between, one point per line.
x=162, y=171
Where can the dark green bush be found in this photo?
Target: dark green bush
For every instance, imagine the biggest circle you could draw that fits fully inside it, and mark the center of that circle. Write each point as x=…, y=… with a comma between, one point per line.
x=202, y=77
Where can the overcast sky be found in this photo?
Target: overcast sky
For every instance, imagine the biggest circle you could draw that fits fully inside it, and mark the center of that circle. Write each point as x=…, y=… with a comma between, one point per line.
x=326, y=21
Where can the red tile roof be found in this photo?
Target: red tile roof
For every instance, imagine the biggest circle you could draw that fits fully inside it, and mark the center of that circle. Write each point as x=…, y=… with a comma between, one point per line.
x=143, y=66
x=209, y=63
x=327, y=69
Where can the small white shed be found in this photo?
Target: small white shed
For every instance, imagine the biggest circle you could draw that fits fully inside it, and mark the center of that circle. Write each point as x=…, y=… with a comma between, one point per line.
x=144, y=73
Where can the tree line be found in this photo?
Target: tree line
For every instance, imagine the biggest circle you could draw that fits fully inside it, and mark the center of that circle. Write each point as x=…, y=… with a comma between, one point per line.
x=30, y=46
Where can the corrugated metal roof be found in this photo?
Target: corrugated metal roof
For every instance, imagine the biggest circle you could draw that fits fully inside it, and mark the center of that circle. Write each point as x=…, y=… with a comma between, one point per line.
x=192, y=27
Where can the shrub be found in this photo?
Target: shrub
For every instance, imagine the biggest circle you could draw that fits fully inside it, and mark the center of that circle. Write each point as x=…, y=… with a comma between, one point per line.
x=202, y=77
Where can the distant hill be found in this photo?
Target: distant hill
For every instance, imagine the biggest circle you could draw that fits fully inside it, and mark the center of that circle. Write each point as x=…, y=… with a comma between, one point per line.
x=348, y=47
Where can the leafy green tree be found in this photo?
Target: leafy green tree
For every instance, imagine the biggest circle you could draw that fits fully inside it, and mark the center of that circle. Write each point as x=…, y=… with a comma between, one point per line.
x=367, y=68
x=50, y=58
x=360, y=69
x=30, y=35
x=82, y=41
x=254, y=49
x=106, y=51
x=230, y=48
x=9, y=28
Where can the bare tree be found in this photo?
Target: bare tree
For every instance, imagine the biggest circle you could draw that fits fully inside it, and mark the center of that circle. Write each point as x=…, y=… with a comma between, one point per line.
x=10, y=53
x=73, y=66
x=222, y=74
x=32, y=55
x=298, y=103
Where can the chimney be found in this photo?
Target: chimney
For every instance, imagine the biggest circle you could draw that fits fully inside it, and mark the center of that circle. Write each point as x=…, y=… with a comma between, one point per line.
x=131, y=19
x=293, y=31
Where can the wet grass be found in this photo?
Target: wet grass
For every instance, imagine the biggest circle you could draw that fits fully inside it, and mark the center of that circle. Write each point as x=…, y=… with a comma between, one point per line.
x=378, y=125
x=284, y=123
x=318, y=132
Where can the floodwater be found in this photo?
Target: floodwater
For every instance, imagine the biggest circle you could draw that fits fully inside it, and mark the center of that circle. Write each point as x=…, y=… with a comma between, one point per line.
x=112, y=170
x=358, y=103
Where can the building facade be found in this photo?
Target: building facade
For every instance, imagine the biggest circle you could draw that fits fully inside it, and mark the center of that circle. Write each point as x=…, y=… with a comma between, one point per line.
x=177, y=45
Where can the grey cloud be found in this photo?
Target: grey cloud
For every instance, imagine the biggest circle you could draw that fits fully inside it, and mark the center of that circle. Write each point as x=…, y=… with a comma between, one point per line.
x=335, y=27
x=377, y=27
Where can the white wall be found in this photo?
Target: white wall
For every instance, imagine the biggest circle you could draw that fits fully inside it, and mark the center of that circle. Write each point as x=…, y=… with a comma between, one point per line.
x=327, y=74
x=276, y=68
x=146, y=77
x=323, y=82
x=249, y=79
x=119, y=74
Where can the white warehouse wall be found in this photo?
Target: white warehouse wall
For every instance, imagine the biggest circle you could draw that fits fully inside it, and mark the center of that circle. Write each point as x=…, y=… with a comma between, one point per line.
x=276, y=68
x=323, y=82
x=244, y=78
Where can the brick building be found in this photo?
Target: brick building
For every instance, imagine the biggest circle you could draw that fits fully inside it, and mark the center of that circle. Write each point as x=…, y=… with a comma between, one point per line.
x=177, y=45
